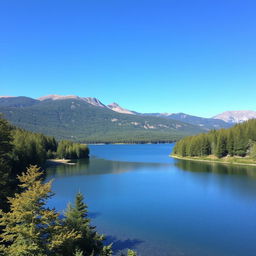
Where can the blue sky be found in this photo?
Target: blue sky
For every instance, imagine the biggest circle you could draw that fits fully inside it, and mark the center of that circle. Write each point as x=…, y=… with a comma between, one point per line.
x=197, y=57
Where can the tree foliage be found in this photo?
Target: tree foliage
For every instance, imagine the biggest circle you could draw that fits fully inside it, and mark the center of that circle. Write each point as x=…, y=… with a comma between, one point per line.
x=77, y=219
x=236, y=141
x=20, y=148
x=70, y=150
x=30, y=227
x=5, y=160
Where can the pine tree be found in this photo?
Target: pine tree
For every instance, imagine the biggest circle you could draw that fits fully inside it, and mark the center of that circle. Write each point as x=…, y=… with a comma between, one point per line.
x=30, y=228
x=230, y=143
x=107, y=251
x=77, y=219
x=5, y=161
x=221, y=149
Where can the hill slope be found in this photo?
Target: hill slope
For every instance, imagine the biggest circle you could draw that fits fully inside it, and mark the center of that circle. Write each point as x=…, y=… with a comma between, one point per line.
x=74, y=118
x=205, y=123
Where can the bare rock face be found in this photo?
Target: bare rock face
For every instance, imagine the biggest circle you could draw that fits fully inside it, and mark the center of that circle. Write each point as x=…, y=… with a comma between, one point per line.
x=236, y=116
x=115, y=107
x=90, y=100
x=94, y=102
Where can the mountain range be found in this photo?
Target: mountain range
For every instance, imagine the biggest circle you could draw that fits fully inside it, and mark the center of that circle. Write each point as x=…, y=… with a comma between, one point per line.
x=87, y=119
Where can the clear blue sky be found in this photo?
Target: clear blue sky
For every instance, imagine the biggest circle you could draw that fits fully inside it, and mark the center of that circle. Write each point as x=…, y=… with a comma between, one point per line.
x=197, y=57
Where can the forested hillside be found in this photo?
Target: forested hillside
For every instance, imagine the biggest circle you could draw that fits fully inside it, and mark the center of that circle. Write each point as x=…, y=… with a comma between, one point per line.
x=27, y=225
x=20, y=148
x=239, y=140
x=77, y=120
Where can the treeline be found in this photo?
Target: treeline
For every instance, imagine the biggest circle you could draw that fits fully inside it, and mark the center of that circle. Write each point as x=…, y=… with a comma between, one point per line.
x=31, y=148
x=239, y=140
x=34, y=148
x=70, y=150
x=27, y=225
x=20, y=148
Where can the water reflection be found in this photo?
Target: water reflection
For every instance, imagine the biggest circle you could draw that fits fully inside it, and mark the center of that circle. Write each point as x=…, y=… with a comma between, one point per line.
x=157, y=205
x=96, y=166
x=233, y=180
x=218, y=168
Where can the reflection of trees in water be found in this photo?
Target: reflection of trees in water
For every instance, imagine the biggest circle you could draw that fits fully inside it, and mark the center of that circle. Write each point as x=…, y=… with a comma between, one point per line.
x=234, y=179
x=96, y=166
x=196, y=166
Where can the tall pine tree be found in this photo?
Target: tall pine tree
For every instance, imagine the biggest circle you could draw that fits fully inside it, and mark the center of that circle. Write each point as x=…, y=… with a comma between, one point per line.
x=30, y=228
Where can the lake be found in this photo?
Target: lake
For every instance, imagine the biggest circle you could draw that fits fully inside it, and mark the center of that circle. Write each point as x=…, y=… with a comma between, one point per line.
x=144, y=200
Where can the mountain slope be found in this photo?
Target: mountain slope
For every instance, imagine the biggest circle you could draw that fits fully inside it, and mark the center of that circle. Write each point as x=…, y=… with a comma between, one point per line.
x=117, y=108
x=20, y=101
x=204, y=123
x=74, y=118
x=236, y=116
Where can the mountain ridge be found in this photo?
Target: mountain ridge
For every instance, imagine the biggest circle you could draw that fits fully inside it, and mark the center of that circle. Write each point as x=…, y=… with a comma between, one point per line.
x=222, y=120
x=74, y=118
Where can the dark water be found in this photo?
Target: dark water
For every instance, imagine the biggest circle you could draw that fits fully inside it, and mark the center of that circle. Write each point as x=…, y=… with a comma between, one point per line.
x=146, y=201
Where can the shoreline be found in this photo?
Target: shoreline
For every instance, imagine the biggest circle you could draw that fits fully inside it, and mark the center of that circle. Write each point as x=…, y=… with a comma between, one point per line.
x=211, y=161
x=52, y=162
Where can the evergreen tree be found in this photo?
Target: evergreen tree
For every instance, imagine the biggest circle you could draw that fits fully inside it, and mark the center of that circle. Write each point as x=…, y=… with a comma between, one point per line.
x=30, y=228
x=230, y=143
x=5, y=161
x=77, y=219
x=107, y=250
x=234, y=141
x=221, y=149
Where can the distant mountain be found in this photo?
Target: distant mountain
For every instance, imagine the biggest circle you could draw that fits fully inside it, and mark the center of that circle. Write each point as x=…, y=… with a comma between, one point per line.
x=233, y=117
x=90, y=100
x=204, y=123
x=115, y=107
x=88, y=120
x=16, y=101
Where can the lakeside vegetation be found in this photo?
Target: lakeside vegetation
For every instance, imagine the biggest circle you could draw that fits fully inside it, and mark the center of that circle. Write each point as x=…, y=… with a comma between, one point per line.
x=31, y=228
x=27, y=225
x=20, y=148
x=235, y=145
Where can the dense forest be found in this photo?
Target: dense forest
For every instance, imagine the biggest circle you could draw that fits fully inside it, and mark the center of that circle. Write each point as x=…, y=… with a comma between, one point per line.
x=79, y=121
x=239, y=140
x=27, y=225
x=20, y=148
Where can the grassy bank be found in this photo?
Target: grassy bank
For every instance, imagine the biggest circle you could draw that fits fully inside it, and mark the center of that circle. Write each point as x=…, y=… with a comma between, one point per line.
x=225, y=160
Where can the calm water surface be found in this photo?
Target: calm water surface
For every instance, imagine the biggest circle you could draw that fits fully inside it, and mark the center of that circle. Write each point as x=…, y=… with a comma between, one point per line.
x=144, y=200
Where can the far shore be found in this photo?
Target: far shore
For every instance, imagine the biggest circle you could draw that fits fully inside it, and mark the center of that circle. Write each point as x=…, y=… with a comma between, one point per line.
x=225, y=160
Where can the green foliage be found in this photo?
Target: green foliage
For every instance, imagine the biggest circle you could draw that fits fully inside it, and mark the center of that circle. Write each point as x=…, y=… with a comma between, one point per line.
x=107, y=250
x=70, y=150
x=77, y=219
x=20, y=148
x=78, y=252
x=236, y=141
x=31, y=228
x=5, y=164
x=76, y=120
x=131, y=253
x=252, y=149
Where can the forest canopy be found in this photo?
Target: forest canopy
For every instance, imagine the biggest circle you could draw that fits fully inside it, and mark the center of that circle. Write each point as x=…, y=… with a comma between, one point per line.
x=239, y=140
